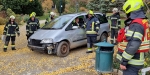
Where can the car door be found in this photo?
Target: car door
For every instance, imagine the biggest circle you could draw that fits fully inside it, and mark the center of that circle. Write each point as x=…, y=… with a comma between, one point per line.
x=77, y=36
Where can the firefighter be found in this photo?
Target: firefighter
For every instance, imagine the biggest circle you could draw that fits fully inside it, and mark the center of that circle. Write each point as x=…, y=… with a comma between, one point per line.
x=115, y=25
x=135, y=42
x=92, y=27
x=50, y=18
x=10, y=30
x=32, y=25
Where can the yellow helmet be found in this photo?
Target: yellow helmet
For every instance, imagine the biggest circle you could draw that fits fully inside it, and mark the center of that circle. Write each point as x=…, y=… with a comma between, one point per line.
x=32, y=15
x=90, y=12
x=132, y=5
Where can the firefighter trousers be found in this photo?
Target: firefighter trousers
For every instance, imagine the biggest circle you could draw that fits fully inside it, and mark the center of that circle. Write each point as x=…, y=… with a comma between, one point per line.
x=131, y=70
x=114, y=34
x=90, y=41
x=8, y=38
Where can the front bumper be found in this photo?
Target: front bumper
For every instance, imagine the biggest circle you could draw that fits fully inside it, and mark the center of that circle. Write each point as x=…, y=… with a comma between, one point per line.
x=37, y=48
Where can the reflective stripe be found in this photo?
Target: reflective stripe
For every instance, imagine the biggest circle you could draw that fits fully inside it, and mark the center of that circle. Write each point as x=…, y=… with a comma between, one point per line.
x=132, y=61
x=114, y=18
x=92, y=26
x=114, y=27
x=119, y=19
x=126, y=55
x=32, y=31
x=119, y=57
x=32, y=23
x=13, y=25
x=12, y=45
x=129, y=33
x=140, y=48
x=138, y=35
x=10, y=34
x=119, y=25
x=91, y=32
x=5, y=46
x=89, y=49
x=4, y=31
x=97, y=27
x=96, y=48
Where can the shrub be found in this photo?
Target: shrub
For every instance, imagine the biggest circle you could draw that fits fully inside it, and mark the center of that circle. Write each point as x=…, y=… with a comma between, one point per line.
x=83, y=9
x=2, y=21
x=19, y=20
x=10, y=12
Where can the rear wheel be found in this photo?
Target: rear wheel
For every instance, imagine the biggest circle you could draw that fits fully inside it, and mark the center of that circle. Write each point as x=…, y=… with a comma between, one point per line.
x=103, y=37
x=63, y=49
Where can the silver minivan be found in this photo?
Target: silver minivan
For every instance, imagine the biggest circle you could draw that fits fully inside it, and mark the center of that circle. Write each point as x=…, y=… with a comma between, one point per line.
x=59, y=36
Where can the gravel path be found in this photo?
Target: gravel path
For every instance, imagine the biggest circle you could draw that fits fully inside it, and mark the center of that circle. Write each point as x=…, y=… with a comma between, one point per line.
x=26, y=62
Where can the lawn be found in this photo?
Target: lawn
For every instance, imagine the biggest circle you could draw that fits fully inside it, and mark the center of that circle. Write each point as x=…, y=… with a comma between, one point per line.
x=43, y=17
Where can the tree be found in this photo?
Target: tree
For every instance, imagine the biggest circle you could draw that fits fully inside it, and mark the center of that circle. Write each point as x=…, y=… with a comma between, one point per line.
x=60, y=5
x=94, y=5
x=23, y=6
x=47, y=4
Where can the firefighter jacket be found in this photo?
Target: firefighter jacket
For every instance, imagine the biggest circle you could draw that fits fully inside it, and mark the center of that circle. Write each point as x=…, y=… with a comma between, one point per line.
x=92, y=25
x=32, y=26
x=135, y=43
x=11, y=29
x=115, y=21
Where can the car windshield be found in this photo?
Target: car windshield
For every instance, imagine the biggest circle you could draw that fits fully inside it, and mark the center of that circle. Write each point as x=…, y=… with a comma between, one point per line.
x=57, y=23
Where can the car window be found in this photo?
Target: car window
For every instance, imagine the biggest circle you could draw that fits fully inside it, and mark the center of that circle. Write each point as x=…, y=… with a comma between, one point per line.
x=101, y=18
x=81, y=22
x=58, y=23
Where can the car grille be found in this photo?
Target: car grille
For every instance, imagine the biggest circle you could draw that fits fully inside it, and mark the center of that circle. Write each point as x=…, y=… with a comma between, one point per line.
x=36, y=42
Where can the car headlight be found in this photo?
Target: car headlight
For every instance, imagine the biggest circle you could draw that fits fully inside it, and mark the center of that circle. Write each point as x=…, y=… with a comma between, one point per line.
x=47, y=41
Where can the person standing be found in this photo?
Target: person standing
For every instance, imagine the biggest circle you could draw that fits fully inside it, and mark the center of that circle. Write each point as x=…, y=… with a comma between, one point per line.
x=32, y=25
x=10, y=30
x=50, y=18
x=135, y=41
x=115, y=25
x=92, y=27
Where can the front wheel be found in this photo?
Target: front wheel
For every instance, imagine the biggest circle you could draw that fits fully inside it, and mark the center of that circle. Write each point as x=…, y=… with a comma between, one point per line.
x=103, y=37
x=63, y=49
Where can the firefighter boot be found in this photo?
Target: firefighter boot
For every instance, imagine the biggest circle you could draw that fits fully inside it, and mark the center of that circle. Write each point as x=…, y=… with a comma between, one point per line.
x=89, y=50
x=5, y=49
x=13, y=48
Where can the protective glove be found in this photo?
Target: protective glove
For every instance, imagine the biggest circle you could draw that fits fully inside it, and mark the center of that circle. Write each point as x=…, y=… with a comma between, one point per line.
x=18, y=34
x=27, y=34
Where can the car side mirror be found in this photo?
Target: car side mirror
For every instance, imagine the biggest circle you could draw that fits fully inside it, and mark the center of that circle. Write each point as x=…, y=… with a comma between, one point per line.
x=75, y=27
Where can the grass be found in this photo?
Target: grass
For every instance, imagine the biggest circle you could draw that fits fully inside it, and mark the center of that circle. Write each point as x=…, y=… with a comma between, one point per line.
x=43, y=17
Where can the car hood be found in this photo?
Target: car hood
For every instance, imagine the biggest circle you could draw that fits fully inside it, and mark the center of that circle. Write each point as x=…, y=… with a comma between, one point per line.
x=44, y=34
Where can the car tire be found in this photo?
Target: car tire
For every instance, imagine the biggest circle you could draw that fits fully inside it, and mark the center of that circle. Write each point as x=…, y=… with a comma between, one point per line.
x=63, y=49
x=103, y=37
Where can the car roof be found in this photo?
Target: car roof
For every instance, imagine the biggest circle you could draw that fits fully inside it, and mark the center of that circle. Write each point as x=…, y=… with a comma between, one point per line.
x=78, y=14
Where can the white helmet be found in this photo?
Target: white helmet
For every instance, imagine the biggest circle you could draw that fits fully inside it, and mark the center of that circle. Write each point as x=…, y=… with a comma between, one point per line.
x=115, y=10
x=52, y=13
x=12, y=16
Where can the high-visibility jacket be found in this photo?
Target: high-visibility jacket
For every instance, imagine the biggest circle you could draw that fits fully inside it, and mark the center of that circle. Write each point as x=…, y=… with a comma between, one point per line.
x=115, y=21
x=138, y=57
x=92, y=25
x=11, y=29
x=32, y=26
x=145, y=39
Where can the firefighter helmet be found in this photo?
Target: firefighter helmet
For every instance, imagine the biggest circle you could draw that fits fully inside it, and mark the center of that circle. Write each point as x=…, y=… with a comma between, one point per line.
x=12, y=17
x=115, y=9
x=90, y=12
x=52, y=13
x=32, y=15
x=132, y=5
